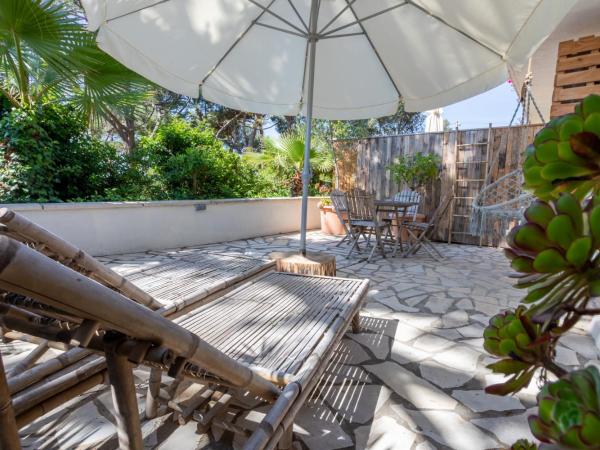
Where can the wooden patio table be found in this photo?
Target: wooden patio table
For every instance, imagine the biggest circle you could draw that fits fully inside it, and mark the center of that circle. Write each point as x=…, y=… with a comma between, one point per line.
x=398, y=209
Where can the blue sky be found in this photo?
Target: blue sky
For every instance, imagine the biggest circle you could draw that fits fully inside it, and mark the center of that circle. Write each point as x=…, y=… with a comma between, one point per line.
x=496, y=106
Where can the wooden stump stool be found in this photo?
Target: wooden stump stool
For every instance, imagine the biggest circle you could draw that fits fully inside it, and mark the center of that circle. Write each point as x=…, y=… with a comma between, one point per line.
x=314, y=263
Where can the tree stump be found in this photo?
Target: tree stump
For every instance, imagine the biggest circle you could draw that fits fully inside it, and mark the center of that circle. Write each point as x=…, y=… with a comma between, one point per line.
x=314, y=263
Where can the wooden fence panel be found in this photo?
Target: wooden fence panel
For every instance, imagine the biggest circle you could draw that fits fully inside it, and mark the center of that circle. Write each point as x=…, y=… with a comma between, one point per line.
x=467, y=159
x=577, y=73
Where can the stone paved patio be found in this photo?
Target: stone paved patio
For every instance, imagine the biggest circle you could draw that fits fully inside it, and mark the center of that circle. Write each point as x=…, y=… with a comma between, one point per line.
x=413, y=379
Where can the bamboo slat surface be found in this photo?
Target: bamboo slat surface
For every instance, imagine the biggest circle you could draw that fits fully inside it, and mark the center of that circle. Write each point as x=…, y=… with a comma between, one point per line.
x=276, y=321
x=187, y=277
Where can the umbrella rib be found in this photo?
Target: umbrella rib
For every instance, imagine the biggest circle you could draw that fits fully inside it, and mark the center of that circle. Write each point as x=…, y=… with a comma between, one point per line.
x=236, y=42
x=458, y=30
x=358, y=33
x=359, y=21
x=138, y=10
x=304, y=74
x=344, y=9
x=267, y=10
x=377, y=53
x=283, y=30
x=298, y=14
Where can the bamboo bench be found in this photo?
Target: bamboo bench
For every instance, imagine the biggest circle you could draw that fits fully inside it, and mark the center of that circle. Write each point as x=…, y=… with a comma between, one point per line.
x=268, y=338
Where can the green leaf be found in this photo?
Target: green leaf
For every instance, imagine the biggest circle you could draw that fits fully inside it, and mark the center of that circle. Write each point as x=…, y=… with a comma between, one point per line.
x=549, y=261
x=529, y=237
x=522, y=264
x=536, y=294
x=508, y=366
x=561, y=230
x=515, y=384
x=545, y=134
x=563, y=171
x=592, y=123
x=547, y=152
x=590, y=430
x=570, y=125
x=590, y=105
x=540, y=213
x=594, y=288
x=579, y=251
x=595, y=225
x=569, y=205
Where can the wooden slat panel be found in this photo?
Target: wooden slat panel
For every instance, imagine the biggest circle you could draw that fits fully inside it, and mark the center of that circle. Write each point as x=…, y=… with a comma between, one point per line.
x=577, y=73
x=575, y=93
x=581, y=76
x=584, y=44
x=578, y=62
x=560, y=109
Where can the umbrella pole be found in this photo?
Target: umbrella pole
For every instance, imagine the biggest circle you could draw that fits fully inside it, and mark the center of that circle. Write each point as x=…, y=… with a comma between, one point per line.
x=312, y=47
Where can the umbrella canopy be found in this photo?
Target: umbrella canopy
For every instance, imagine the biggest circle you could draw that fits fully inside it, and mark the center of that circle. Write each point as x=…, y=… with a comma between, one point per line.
x=330, y=59
x=434, y=122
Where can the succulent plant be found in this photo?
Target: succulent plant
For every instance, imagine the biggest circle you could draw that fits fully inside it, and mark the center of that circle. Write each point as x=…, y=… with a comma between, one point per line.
x=515, y=338
x=556, y=252
x=569, y=411
x=523, y=444
x=565, y=154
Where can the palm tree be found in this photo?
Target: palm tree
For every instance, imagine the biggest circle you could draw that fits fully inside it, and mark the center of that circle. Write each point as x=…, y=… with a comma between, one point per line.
x=283, y=159
x=47, y=55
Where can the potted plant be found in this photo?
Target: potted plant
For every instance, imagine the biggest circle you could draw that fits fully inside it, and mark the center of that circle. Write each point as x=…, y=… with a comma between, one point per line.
x=330, y=222
x=418, y=172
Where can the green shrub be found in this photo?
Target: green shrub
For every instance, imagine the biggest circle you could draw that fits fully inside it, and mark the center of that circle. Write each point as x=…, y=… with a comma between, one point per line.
x=417, y=170
x=183, y=161
x=48, y=155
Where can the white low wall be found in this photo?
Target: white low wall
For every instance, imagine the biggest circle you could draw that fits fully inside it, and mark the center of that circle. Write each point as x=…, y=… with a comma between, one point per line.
x=105, y=228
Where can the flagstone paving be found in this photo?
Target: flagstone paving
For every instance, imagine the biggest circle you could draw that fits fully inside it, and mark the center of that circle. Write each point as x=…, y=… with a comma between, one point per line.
x=413, y=379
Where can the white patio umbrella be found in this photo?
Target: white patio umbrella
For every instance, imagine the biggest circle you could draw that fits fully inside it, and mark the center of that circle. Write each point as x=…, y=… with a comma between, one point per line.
x=434, y=122
x=330, y=59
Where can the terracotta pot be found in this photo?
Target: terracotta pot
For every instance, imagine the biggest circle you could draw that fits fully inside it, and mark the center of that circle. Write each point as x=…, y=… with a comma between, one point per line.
x=330, y=223
x=420, y=218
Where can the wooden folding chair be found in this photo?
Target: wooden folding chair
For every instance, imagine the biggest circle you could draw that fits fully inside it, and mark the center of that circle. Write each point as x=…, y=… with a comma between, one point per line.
x=420, y=233
x=408, y=195
x=340, y=204
x=363, y=219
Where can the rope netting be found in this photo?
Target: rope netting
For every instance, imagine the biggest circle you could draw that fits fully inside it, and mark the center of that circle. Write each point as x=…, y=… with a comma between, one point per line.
x=503, y=201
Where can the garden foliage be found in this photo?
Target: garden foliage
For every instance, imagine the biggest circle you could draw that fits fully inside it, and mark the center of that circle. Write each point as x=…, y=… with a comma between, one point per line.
x=556, y=254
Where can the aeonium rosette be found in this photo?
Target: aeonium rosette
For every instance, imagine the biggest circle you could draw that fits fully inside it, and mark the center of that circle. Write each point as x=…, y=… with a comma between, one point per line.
x=556, y=254
x=512, y=336
x=569, y=412
x=565, y=154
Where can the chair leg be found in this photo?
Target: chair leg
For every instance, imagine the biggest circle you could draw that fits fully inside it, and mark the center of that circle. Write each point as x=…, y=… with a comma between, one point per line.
x=153, y=393
x=9, y=433
x=354, y=244
x=428, y=245
x=356, y=324
x=380, y=242
x=287, y=439
x=414, y=246
x=120, y=373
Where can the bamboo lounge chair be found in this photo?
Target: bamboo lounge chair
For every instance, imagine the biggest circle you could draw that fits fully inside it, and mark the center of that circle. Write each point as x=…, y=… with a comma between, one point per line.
x=268, y=338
